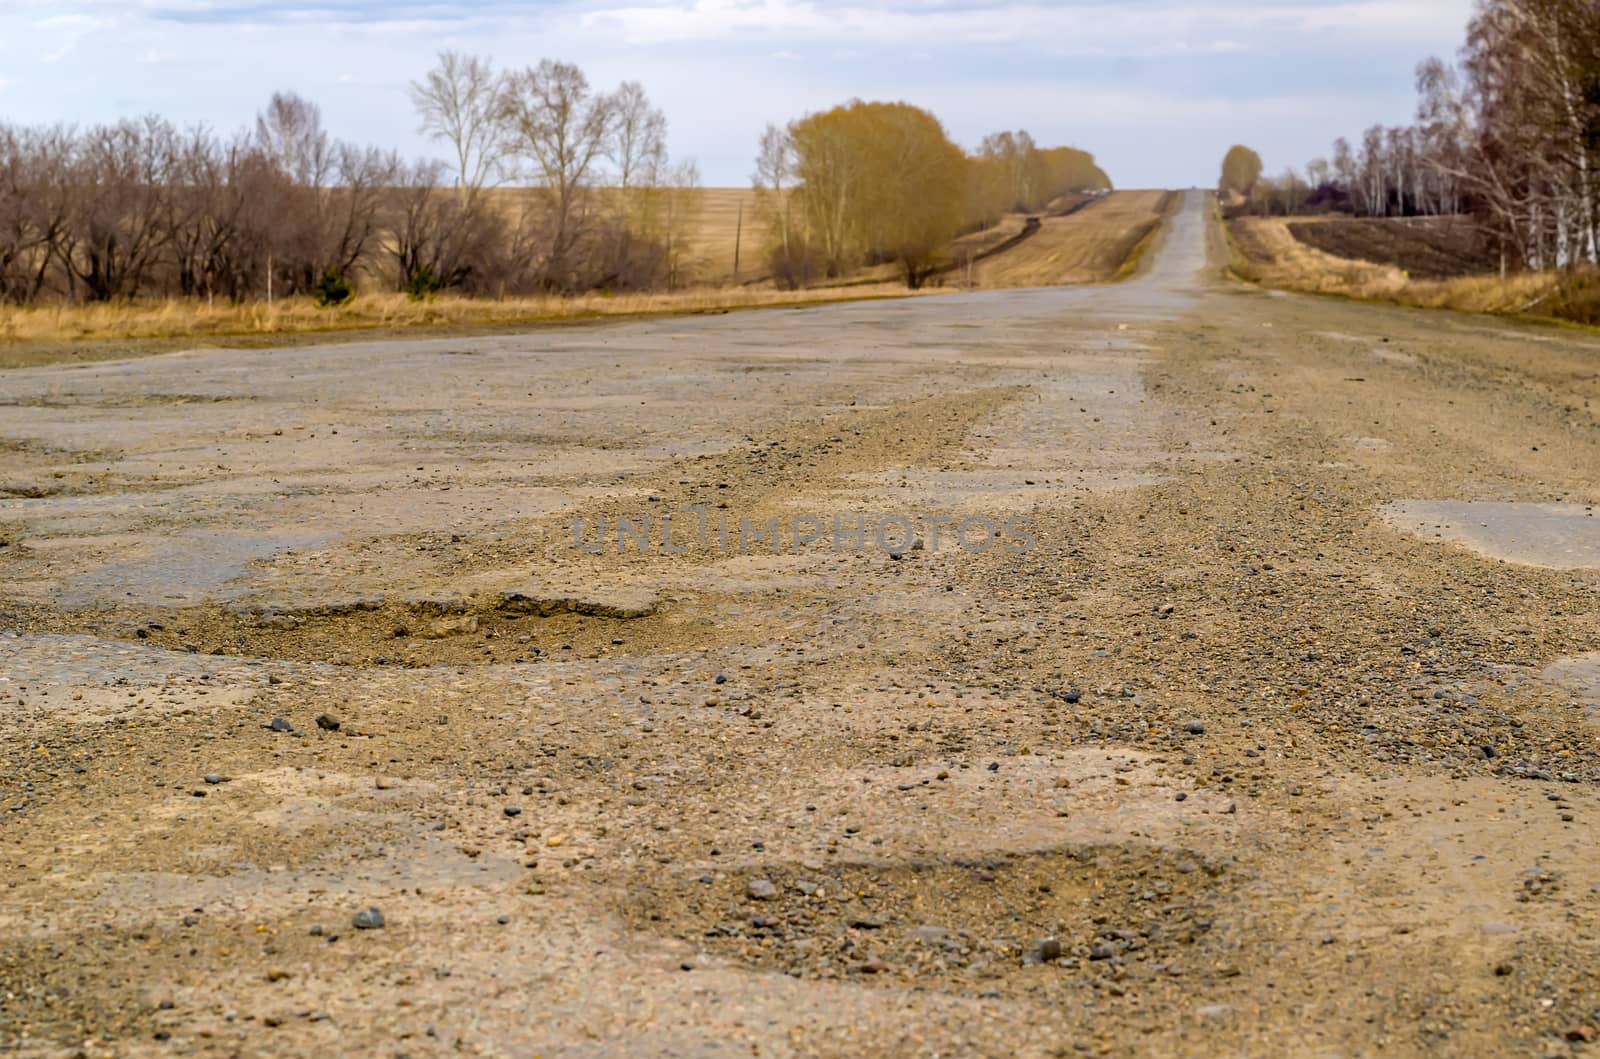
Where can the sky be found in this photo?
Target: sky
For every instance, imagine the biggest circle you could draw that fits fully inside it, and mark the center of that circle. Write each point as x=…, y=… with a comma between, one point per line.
x=1157, y=89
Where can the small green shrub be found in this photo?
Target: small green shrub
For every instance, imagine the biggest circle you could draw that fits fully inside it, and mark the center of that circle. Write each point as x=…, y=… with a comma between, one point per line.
x=422, y=284
x=333, y=289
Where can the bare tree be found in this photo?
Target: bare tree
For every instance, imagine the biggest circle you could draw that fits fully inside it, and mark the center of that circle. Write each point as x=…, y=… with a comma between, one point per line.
x=433, y=239
x=638, y=144
x=354, y=208
x=682, y=208
x=774, y=180
x=290, y=132
x=137, y=208
x=561, y=128
x=458, y=101
x=32, y=209
x=122, y=176
x=1511, y=136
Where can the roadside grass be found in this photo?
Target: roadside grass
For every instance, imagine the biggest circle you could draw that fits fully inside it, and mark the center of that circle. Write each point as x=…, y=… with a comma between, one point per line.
x=193, y=319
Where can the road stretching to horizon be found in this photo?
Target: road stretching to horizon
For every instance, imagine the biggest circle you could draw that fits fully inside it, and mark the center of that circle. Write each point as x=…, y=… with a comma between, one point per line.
x=1167, y=667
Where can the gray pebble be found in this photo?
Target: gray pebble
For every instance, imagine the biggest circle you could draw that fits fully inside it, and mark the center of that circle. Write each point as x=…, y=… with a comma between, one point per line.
x=370, y=919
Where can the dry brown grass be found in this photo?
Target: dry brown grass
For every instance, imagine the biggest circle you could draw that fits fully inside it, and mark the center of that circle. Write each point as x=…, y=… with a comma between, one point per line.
x=1089, y=246
x=179, y=319
x=1266, y=252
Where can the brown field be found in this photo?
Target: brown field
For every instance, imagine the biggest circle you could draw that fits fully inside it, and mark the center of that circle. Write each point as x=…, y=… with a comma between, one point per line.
x=1424, y=247
x=712, y=234
x=986, y=241
x=1265, y=251
x=1090, y=246
x=716, y=230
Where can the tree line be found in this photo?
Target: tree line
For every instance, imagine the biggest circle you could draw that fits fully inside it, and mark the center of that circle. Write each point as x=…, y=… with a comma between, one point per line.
x=549, y=186
x=876, y=183
x=142, y=208
x=1509, y=134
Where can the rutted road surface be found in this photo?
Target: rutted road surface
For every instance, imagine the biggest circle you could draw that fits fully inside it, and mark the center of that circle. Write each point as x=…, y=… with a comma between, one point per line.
x=1269, y=743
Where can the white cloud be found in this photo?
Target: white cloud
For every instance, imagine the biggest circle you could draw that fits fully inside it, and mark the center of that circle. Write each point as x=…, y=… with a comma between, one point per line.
x=1088, y=29
x=68, y=31
x=72, y=23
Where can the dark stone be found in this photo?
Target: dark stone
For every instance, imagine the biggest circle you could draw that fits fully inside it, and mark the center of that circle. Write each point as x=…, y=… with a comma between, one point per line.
x=1045, y=950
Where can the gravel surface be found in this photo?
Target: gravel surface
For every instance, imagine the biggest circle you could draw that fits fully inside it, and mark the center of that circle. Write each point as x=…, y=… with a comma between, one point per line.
x=322, y=736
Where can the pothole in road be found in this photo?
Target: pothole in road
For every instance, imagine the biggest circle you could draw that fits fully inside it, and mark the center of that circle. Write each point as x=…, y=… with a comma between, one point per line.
x=995, y=925
x=1580, y=675
x=515, y=625
x=1560, y=536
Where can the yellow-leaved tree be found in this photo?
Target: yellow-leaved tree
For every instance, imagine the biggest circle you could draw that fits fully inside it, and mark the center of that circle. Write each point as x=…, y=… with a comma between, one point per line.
x=1241, y=168
x=878, y=182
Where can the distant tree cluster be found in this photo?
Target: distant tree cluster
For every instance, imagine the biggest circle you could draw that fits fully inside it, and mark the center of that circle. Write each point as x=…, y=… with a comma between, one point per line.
x=871, y=183
x=1393, y=173
x=142, y=208
x=1509, y=135
x=1010, y=174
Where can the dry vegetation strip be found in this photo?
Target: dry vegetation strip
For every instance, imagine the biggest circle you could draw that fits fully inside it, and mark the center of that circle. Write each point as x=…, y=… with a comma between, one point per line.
x=1090, y=245
x=1265, y=251
x=35, y=334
